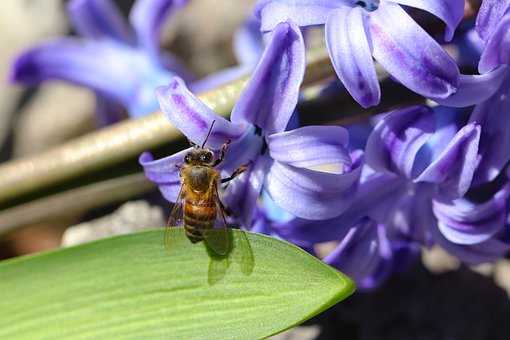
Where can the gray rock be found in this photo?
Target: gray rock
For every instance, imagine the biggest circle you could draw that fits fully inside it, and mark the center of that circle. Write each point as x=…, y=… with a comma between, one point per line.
x=129, y=218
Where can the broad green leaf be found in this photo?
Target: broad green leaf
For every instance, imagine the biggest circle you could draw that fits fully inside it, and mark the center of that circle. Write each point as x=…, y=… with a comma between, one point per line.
x=132, y=287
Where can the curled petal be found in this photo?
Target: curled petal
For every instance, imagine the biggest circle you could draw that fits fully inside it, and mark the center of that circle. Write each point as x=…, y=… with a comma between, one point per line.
x=248, y=43
x=397, y=138
x=272, y=93
x=99, y=19
x=497, y=50
x=302, y=12
x=350, y=49
x=488, y=251
x=310, y=146
x=453, y=169
x=311, y=194
x=364, y=254
x=450, y=11
x=423, y=67
x=164, y=172
x=193, y=118
x=489, y=16
x=148, y=17
x=494, y=150
x=474, y=89
x=464, y=222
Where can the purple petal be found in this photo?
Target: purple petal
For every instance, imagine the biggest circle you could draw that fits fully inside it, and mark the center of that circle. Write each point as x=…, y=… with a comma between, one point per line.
x=423, y=67
x=494, y=150
x=244, y=150
x=164, y=172
x=364, y=254
x=147, y=17
x=193, y=118
x=483, y=252
x=311, y=194
x=474, y=89
x=310, y=232
x=453, y=169
x=94, y=64
x=375, y=197
x=489, y=16
x=302, y=12
x=248, y=43
x=99, y=19
x=242, y=193
x=450, y=11
x=350, y=49
x=464, y=222
x=396, y=140
x=310, y=146
x=272, y=93
x=412, y=217
x=497, y=51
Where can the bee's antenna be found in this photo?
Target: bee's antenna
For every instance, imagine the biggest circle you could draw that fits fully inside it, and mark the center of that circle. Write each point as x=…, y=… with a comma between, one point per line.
x=208, y=133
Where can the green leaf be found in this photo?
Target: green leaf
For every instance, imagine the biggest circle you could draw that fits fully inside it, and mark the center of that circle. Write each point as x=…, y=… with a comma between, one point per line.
x=132, y=287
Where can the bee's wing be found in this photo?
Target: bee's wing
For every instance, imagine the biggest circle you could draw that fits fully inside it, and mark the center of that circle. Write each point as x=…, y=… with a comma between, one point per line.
x=217, y=238
x=176, y=218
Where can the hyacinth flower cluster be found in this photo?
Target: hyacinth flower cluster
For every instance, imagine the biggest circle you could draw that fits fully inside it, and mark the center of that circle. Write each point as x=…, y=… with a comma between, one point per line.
x=358, y=31
x=122, y=63
x=286, y=164
x=378, y=191
x=413, y=177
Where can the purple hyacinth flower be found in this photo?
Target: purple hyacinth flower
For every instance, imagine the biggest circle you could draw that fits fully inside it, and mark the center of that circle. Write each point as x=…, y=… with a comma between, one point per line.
x=490, y=91
x=356, y=31
x=122, y=63
x=432, y=159
x=288, y=164
x=370, y=255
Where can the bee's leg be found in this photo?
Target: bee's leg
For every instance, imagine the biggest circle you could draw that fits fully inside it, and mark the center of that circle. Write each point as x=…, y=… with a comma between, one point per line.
x=236, y=173
x=223, y=150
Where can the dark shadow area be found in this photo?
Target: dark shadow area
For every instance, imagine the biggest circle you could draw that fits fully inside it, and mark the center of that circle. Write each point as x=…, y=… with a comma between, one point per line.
x=460, y=305
x=239, y=253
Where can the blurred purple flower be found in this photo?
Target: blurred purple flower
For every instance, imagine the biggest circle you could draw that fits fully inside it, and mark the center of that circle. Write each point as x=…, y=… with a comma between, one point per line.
x=289, y=164
x=122, y=63
x=356, y=31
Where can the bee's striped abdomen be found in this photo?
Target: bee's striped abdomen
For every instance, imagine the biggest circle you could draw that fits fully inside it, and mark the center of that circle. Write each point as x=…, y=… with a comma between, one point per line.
x=198, y=215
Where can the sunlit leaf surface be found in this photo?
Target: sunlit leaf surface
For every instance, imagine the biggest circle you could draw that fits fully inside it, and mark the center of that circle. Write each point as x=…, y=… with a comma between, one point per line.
x=132, y=287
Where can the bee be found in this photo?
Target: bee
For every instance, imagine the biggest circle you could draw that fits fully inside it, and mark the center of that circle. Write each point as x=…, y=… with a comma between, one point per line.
x=198, y=207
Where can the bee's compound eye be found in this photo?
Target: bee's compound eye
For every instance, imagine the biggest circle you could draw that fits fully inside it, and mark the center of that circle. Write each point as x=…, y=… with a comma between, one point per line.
x=205, y=157
x=187, y=158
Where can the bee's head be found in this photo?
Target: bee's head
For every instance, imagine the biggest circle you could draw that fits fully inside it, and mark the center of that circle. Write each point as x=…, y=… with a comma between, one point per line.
x=199, y=156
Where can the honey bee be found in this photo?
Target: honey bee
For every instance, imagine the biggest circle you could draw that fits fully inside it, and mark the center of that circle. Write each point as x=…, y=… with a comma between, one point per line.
x=198, y=207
